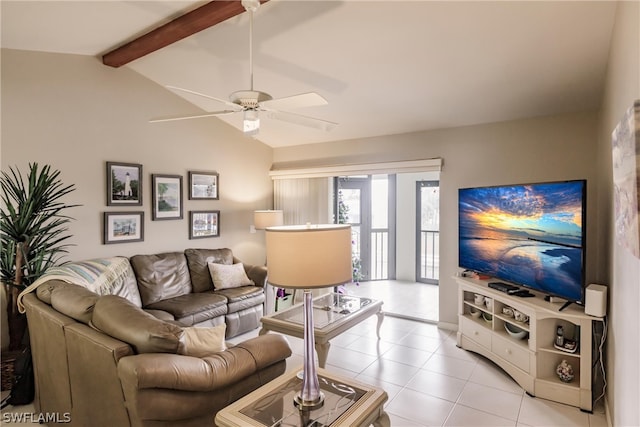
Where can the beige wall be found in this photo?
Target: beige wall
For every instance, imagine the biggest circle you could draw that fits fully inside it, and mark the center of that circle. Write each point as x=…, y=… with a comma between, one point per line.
x=533, y=150
x=619, y=268
x=74, y=113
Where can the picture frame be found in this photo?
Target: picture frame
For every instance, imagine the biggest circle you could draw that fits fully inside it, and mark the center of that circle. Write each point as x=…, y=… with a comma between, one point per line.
x=123, y=227
x=166, y=196
x=124, y=184
x=203, y=185
x=204, y=224
x=625, y=154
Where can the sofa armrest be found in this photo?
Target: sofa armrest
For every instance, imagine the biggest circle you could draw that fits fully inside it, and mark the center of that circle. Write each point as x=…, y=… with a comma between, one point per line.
x=177, y=372
x=257, y=273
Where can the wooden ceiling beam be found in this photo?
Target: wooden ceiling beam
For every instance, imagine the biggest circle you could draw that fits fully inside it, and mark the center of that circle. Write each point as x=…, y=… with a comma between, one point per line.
x=184, y=26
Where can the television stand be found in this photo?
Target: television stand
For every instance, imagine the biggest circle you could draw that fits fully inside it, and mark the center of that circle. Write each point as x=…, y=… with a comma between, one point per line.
x=530, y=360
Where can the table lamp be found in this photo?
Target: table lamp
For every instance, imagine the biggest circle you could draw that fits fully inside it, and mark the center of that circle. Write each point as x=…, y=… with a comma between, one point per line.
x=267, y=218
x=309, y=257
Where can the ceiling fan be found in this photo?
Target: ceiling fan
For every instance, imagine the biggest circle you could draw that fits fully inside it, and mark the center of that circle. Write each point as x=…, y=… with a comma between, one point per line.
x=252, y=102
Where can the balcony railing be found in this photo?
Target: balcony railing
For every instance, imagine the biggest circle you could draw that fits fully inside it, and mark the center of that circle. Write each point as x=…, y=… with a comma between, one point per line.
x=379, y=255
x=429, y=256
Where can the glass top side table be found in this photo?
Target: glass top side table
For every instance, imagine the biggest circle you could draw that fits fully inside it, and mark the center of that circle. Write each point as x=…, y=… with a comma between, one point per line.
x=333, y=314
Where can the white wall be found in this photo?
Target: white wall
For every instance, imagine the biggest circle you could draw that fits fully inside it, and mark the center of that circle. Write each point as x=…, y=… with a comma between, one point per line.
x=618, y=267
x=539, y=149
x=406, y=222
x=75, y=114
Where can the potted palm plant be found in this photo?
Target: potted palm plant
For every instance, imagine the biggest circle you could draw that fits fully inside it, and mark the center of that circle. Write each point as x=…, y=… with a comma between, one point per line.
x=33, y=234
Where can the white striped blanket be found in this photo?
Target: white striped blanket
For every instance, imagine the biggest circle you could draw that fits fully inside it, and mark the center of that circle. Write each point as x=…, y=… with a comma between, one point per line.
x=97, y=275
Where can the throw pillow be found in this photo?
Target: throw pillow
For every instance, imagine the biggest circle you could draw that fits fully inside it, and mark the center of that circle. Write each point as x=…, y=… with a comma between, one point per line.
x=227, y=276
x=201, y=342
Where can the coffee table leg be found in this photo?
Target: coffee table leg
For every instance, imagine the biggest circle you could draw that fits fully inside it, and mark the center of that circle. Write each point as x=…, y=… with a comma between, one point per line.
x=382, y=421
x=380, y=319
x=263, y=331
x=323, y=351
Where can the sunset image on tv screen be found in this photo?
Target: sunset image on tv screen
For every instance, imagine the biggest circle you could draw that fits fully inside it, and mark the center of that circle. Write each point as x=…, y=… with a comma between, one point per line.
x=528, y=234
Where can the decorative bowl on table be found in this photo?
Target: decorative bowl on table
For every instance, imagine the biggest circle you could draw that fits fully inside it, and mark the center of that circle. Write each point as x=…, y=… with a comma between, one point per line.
x=515, y=332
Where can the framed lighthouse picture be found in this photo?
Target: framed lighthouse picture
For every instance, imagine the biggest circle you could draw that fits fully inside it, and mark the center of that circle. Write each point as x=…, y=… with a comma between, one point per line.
x=124, y=184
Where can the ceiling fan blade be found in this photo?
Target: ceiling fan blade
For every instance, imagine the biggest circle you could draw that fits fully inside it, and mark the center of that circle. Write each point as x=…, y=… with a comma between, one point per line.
x=301, y=120
x=293, y=102
x=224, y=101
x=192, y=116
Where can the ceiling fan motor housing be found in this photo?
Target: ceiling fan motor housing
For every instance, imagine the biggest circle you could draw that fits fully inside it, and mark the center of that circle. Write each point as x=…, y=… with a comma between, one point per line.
x=249, y=98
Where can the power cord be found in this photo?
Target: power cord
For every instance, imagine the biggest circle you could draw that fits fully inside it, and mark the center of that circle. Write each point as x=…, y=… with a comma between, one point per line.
x=600, y=359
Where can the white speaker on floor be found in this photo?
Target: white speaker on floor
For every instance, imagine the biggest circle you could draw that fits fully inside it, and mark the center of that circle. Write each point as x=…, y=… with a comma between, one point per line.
x=595, y=300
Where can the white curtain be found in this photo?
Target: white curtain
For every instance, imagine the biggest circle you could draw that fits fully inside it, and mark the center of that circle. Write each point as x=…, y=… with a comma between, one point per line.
x=304, y=200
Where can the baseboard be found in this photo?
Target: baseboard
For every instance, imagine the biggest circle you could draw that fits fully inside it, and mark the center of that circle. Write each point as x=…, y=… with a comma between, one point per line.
x=448, y=326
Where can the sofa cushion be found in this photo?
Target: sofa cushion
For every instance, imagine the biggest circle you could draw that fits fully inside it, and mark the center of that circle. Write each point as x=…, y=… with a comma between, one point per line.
x=191, y=309
x=228, y=276
x=122, y=320
x=201, y=342
x=198, y=260
x=161, y=276
x=242, y=298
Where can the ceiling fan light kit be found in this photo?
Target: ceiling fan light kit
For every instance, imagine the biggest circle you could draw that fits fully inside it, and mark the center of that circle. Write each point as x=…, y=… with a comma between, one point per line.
x=251, y=102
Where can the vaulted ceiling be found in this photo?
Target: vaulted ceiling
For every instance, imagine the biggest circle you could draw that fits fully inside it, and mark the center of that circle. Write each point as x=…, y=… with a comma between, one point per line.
x=385, y=67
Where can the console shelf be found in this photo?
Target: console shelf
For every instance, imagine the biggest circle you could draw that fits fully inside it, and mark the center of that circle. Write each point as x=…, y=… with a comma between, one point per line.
x=530, y=360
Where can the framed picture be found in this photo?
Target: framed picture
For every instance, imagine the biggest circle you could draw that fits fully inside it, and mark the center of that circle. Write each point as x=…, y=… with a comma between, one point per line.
x=204, y=224
x=124, y=184
x=166, y=196
x=203, y=185
x=123, y=227
x=625, y=140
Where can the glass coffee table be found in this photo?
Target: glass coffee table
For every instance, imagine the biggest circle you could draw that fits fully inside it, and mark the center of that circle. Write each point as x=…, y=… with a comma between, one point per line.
x=347, y=403
x=333, y=314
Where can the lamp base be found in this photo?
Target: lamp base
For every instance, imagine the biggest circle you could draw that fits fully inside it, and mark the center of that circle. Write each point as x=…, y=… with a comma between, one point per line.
x=308, y=405
x=310, y=397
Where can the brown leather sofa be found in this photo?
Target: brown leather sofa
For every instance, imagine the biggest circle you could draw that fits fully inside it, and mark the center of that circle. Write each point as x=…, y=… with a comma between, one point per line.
x=118, y=360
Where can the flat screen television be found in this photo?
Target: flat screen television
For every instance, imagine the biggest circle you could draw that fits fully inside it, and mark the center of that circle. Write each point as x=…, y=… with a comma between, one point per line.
x=528, y=234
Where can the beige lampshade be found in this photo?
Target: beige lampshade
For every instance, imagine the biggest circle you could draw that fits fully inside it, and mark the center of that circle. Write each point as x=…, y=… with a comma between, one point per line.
x=264, y=219
x=309, y=256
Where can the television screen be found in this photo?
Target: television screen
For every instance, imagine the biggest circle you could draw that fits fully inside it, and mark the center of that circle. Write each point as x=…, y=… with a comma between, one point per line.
x=532, y=235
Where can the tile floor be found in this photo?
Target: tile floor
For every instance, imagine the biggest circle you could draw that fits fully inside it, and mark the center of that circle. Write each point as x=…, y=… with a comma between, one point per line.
x=432, y=382
x=410, y=300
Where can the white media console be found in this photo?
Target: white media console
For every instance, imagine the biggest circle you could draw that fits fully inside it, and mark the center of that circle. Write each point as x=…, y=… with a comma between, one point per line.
x=531, y=361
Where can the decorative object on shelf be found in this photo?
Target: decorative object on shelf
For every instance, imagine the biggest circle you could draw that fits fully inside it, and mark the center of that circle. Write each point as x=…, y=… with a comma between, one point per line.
x=124, y=184
x=204, y=224
x=203, y=185
x=167, y=197
x=123, y=227
x=565, y=371
x=474, y=312
x=487, y=317
x=298, y=259
x=520, y=316
x=489, y=303
x=507, y=311
x=515, y=332
x=625, y=144
x=478, y=299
